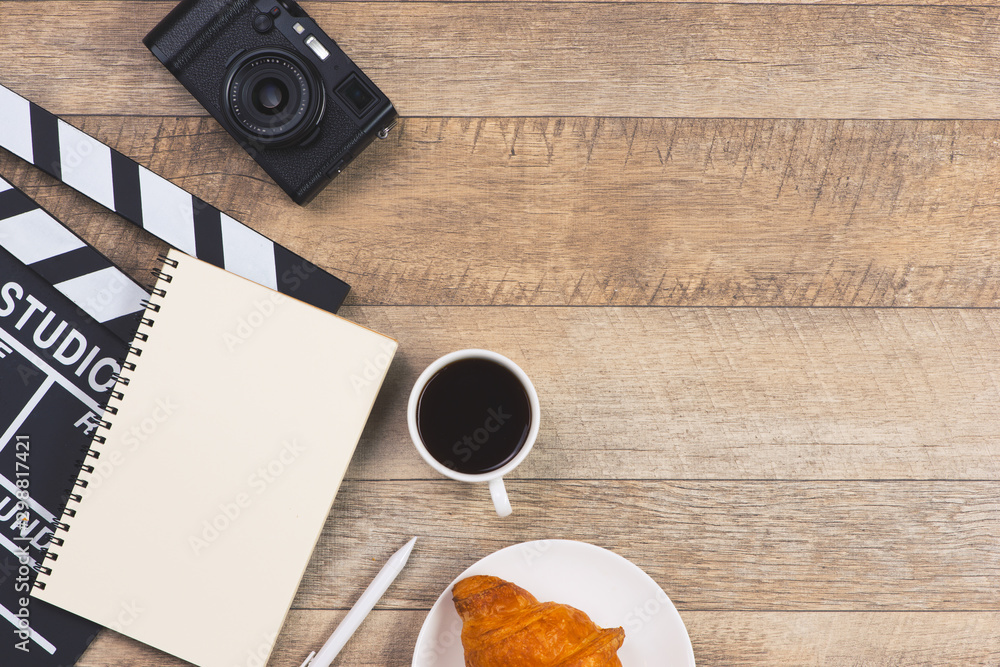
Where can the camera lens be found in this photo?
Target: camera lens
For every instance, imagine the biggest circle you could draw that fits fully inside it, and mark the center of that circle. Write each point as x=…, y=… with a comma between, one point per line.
x=270, y=96
x=273, y=97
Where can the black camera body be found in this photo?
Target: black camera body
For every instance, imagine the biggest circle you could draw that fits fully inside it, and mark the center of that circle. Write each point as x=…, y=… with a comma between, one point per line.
x=281, y=87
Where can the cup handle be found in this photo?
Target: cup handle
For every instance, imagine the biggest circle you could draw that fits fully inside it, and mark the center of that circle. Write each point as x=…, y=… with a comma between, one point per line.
x=499, y=494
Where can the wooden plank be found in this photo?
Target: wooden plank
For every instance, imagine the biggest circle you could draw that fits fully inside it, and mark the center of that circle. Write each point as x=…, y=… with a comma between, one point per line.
x=719, y=393
x=579, y=59
x=581, y=211
x=750, y=639
x=729, y=545
x=845, y=640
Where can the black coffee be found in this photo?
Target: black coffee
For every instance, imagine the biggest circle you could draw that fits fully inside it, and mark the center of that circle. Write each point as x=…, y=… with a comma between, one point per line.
x=473, y=416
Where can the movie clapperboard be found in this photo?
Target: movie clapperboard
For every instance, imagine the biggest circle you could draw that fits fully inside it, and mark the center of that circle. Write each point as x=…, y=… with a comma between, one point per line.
x=67, y=317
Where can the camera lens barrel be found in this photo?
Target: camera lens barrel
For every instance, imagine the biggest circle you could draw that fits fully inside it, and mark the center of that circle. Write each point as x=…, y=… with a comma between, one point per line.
x=273, y=97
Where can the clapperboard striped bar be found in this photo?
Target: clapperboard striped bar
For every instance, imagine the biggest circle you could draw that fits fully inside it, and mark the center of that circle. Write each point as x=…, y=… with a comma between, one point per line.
x=157, y=205
x=85, y=276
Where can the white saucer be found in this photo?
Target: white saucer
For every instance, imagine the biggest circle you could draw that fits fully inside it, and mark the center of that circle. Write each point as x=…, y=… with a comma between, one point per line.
x=607, y=587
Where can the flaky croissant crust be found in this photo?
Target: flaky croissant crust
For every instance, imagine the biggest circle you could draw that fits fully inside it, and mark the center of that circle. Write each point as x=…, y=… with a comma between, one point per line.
x=503, y=625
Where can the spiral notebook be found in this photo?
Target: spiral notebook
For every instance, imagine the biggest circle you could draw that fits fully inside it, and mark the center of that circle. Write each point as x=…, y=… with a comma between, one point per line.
x=227, y=438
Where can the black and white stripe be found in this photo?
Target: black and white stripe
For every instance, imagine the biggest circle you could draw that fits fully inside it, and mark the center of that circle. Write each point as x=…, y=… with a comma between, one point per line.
x=82, y=274
x=157, y=205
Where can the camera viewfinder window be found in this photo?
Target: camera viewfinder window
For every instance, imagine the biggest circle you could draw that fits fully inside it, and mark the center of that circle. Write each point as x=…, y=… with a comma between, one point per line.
x=356, y=95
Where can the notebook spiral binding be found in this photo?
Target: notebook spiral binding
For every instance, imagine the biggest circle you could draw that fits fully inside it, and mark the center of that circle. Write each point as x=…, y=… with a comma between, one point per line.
x=127, y=364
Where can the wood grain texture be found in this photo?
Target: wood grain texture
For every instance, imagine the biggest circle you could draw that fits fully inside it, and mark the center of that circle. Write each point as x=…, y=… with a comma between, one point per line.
x=729, y=545
x=579, y=59
x=723, y=639
x=580, y=211
x=748, y=253
x=719, y=393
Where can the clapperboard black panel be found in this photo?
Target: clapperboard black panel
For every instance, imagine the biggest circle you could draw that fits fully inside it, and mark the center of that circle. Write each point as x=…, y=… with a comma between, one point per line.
x=56, y=367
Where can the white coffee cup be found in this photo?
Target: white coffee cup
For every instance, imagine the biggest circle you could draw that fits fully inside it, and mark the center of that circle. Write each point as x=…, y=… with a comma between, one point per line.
x=494, y=477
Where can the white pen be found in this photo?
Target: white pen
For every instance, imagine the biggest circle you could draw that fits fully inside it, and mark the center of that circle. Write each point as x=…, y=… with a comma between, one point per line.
x=360, y=610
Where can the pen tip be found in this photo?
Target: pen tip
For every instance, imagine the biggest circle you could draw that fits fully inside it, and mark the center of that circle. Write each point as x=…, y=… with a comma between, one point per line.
x=404, y=551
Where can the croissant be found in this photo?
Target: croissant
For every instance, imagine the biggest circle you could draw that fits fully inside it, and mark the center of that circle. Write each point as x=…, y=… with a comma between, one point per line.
x=503, y=625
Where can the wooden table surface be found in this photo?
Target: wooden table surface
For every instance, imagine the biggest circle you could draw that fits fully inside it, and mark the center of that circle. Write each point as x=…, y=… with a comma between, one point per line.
x=748, y=252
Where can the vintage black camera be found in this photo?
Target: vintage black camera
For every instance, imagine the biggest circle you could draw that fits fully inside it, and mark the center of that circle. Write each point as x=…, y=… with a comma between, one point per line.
x=277, y=83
